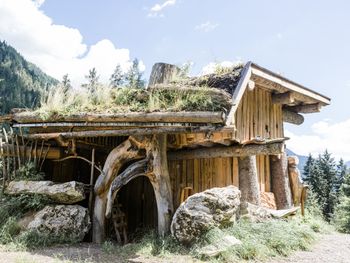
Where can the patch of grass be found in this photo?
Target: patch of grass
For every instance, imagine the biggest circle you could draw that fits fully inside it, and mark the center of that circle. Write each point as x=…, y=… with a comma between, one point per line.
x=108, y=100
x=268, y=239
x=33, y=239
x=148, y=245
x=260, y=241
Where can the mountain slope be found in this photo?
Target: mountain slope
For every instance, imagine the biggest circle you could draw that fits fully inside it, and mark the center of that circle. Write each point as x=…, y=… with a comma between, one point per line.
x=21, y=82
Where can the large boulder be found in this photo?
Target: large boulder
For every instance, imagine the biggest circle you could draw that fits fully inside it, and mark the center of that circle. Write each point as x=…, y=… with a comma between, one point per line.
x=64, y=221
x=63, y=193
x=215, y=207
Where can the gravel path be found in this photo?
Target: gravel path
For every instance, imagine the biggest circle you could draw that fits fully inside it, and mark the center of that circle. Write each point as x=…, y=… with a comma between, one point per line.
x=333, y=248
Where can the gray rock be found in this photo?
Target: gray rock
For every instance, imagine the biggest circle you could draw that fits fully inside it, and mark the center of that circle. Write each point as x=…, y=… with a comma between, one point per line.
x=63, y=193
x=215, y=207
x=257, y=213
x=260, y=214
x=222, y=244
x=65, y=221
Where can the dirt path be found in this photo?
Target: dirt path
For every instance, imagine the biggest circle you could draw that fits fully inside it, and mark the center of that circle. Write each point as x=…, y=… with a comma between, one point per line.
x=333, y=248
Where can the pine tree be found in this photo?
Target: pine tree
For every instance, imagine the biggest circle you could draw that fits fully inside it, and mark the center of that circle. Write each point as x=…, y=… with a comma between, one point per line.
x=341, y=172
x=93, y=81
x=307, y=168
x=134, y=76
x=66, y=84
x=342, y=211
x=117, y=78
x=328, y=176
x=321, y=175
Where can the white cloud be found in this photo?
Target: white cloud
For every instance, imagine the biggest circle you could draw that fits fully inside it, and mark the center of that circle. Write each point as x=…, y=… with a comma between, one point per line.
x=57, y=49
x=206, y=27
x=325, y=135
x=38, y=2
x=157, y=8
x=212, y=66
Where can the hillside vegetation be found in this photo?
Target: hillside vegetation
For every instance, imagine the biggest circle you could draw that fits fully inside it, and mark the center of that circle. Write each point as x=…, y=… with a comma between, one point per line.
x=21, y=82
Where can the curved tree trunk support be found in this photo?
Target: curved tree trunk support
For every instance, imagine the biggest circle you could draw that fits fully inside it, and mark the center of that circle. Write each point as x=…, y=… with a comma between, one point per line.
x=155, y=148
x=135, y=170
x=155, y=167
x=248, y=181
x=120, y=155
x=280, y=181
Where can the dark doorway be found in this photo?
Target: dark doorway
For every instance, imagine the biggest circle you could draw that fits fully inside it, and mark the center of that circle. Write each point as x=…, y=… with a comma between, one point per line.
x=137, y=201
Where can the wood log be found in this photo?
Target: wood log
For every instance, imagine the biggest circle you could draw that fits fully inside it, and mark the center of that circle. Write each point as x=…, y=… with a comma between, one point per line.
x=283, y=98
x=306, y=108
x=158, y=150
x=181, y=117
x=122, y=132
x=228, y=151
x=248, y=181
x=292, y=117
x=120, y=155
x=280, y=181
x=163, y=73
x=161, y=183
x=52, y=154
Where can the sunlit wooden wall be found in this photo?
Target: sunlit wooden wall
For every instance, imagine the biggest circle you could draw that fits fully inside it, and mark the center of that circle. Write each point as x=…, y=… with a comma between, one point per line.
x=202, y=174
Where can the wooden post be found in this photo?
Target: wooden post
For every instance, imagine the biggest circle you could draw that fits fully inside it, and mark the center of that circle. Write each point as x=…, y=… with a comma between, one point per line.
x=248, y=180
x=92, y=180
x=161, y=184
x=280, y=181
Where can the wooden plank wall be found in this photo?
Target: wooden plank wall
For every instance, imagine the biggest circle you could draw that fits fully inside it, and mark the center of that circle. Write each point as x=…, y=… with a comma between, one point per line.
x=202, y=174
x=258, y=116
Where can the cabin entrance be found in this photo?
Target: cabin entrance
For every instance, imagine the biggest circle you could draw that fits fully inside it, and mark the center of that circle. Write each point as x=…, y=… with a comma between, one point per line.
x=138, y=209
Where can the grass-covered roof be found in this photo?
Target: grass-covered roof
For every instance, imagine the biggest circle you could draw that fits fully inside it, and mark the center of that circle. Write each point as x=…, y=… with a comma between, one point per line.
x=210, y=92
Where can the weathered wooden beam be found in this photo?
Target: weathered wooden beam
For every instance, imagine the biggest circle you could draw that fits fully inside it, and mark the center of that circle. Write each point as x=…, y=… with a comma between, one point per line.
x=283, y=98
x=289, y=85
x=181, y=117
x=292, y=117
x=228, y=151
x=122, y=132
x=306, y=108
x=53, y=153
x=238, y=93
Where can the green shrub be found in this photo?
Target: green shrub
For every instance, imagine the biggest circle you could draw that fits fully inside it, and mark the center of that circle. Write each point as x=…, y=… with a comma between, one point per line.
x=29, y=172
x=9, y=230
x=342, y=211
x=14, y=207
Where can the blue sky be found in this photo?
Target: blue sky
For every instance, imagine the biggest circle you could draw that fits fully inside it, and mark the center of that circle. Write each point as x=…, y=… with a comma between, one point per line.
x=306, y=41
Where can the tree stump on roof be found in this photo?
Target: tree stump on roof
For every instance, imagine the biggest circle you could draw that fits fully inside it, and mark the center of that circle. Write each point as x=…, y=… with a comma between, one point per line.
x=163, y=73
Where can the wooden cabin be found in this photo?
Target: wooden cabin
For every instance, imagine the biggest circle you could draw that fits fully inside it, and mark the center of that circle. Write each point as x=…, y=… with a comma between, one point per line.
x=142, y=165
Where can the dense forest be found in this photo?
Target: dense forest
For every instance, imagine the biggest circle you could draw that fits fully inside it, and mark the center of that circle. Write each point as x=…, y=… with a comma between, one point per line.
x=21, y=82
